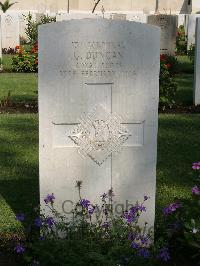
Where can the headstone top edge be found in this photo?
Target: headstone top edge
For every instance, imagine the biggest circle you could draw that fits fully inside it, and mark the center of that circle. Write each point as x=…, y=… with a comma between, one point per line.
x=166, y=15
x=103, y=20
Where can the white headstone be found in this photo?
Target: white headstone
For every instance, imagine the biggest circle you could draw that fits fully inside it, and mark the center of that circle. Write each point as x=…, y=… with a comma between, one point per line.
x=38, y=16
x=191, y=28
x=197, y=65
x=181, y=20
x=130, y=16
x=142, y=18
x=10, y=30
x=168, y=25
x=117, y=16
x=98, y=94
x=68, y=16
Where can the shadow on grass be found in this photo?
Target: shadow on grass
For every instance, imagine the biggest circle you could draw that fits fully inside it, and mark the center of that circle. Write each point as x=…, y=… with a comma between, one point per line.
x=19, y=177
x=185, y=89
x=178, y=147
x=185, y=65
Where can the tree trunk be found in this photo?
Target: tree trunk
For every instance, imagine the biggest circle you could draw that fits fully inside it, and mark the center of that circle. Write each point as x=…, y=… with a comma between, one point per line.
x=96, y=4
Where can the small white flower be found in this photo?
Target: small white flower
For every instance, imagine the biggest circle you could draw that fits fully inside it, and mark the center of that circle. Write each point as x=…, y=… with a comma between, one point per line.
x=194, y=230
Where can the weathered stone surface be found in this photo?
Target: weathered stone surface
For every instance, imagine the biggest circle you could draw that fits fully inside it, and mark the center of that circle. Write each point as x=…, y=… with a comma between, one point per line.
x=98, y=93
x=66, y=16
x=168, y=25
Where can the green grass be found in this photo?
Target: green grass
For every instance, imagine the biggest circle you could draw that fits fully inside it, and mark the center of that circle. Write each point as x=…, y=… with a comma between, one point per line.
x=7, y=60
x=185, y=89
x=184, y=79
x=18, y=167
x=178, y=147
x=23, y=87
x=185, y=65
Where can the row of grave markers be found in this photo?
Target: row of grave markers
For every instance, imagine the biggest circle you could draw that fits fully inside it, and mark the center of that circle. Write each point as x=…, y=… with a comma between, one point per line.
x=13, y=25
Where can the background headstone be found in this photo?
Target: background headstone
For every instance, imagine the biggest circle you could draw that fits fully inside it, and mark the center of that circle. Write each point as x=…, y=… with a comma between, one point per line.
x=142, y=18
x=68, y=16
x=10, y=30
x=197, y=65
x=98, y=93
x=38, y=16
x=118, y=16
x=168, y=25
x=130, y=16
x=191, y=28
x=181, y=20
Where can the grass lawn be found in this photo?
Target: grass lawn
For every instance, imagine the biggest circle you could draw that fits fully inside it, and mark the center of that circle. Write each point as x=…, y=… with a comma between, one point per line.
x=185, y=80
x=185, y=65
x=185, y=89
x=18, y=167
x=7, y=60
x=178, y=147
x=23, y=87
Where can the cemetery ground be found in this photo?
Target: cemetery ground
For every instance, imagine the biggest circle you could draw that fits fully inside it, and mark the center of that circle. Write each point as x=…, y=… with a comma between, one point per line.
x=178, y=147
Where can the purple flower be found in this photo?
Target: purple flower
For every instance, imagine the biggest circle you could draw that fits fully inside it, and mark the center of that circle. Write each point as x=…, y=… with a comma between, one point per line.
x=132, y=236
x=49, y=198
x=196, y=166
x=49, y=221
x=144, y=239
x=134, y=245
x=85, y=203
x=105, y=212
x=104, y=197
x=130, y=217
x=163, y=254
x=143, y=252
x=142, y=208
x=90, y=210
x=105, y=225
x=41, y=238
x=196, y=190
x=171, y=208
x=20, y=217
x=146, y=198
x=20, y=249
x=137, y=208
x=38, y=222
